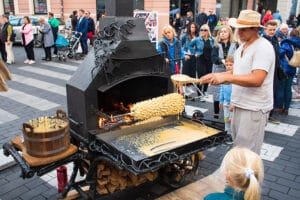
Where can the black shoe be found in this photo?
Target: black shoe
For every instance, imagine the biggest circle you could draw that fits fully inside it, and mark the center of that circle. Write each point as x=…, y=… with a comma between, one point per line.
x=229, y=140
x=48, y=59
x=216, y=116
x=44, y=58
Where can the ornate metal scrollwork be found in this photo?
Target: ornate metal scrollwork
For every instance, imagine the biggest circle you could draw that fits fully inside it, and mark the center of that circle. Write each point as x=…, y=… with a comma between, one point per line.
x=108, y=39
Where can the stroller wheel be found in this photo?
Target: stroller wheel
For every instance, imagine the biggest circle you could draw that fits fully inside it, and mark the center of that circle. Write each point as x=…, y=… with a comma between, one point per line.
x=70, y=55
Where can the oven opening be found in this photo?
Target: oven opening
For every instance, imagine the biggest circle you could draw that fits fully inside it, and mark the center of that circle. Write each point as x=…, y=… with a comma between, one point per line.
x=115, y=103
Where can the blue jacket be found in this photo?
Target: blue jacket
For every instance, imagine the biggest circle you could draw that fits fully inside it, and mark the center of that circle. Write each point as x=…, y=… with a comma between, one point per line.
x=174, y=51
x=82, y=26
x=277, y=16
x=225, y=93
x=228, y=194
x=286, y=49
x=198, y=44
x=280, y=35
x=186, y=43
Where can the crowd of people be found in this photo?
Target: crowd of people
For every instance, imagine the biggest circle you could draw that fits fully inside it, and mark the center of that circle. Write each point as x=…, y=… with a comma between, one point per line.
x=81, y=21
x=202, y=52
x=245, y=63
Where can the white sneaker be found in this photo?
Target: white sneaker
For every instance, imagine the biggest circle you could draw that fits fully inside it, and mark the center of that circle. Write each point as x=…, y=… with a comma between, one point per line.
x=26, y=61
x=31, y=62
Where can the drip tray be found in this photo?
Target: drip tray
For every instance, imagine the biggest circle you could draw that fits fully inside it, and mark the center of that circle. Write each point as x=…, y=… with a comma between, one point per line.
x=147, y=140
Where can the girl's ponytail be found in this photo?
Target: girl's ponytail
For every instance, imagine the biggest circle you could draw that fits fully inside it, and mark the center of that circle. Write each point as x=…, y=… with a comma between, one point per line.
x=252, y=192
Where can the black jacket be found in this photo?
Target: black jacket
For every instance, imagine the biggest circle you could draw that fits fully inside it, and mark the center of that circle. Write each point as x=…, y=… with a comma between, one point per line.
x=4, y=33
x=279, y=73
x=91, y=25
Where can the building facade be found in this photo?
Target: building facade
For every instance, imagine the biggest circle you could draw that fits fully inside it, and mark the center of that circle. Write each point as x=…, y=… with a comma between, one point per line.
x=63, y=8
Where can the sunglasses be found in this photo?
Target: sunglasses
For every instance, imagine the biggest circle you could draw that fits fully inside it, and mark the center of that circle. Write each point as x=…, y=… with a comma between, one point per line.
x=203, y=30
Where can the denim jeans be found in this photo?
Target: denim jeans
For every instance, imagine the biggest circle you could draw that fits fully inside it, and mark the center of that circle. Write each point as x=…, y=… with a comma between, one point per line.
x=284, y=93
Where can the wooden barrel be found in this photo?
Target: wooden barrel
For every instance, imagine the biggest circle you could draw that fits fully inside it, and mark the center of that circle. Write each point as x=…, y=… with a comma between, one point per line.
x=47, y=136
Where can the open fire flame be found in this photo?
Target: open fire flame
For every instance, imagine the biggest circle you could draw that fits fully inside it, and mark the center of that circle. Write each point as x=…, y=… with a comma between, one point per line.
x=102, y=122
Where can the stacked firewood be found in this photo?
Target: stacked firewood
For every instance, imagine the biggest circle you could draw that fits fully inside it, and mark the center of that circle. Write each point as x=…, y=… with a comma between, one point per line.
x=111, y=179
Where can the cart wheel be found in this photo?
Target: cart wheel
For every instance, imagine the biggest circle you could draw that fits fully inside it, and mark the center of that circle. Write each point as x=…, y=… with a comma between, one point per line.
x=176, y=173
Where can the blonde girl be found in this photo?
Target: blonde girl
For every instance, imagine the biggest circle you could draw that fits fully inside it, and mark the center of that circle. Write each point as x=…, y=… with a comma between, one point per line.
x=170, y=48
x=224, y=46
x=243, y=170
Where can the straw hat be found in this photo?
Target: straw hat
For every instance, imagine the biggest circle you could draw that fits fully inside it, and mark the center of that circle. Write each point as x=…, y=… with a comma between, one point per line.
x=246, y=19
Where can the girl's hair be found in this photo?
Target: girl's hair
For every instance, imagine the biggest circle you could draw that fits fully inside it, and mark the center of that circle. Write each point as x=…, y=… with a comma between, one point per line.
x=205, y=26
x=28, y=19
x=231, y=35
x=170, y=28
x=189, y=30
x=245, y=172
x=230, y=59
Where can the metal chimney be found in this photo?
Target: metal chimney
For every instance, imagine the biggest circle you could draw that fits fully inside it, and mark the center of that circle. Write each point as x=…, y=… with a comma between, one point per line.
x=119, y=8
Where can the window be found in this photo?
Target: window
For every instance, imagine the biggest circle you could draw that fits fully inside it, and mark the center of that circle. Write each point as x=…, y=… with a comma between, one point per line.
x=138, y=4
x=100, y=6
x=8, y=6
x=40, y=6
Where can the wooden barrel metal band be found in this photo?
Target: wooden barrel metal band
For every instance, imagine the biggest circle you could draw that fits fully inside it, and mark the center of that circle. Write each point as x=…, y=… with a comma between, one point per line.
x=51, y=152
x=46, y=139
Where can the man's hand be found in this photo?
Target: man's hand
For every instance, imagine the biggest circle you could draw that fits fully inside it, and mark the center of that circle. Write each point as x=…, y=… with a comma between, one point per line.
x=206, y=79
x=218, y=78
x=167, y=60
x=214, y=78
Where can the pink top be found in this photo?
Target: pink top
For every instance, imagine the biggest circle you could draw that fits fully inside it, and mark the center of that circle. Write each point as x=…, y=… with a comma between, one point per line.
x=28, y=33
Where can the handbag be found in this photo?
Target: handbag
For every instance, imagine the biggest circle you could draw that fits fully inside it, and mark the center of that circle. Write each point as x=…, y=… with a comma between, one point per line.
x=295, y=60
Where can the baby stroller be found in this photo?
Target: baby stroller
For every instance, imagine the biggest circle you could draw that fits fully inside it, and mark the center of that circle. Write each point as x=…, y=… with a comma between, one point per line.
x=62, y=46
x=73, y=47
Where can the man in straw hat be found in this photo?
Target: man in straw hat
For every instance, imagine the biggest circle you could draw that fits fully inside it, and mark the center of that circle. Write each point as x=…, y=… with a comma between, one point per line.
x=252, y=78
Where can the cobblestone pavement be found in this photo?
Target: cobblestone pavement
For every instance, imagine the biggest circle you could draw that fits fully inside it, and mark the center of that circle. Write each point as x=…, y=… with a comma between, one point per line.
x=39, y=90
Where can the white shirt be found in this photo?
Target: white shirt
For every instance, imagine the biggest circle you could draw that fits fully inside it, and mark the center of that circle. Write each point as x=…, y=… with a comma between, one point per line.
x=259, y=55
